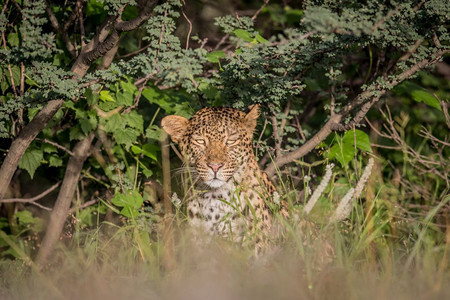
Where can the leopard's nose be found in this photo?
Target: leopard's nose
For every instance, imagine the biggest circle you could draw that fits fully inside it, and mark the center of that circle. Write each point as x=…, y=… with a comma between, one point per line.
x=215, y=166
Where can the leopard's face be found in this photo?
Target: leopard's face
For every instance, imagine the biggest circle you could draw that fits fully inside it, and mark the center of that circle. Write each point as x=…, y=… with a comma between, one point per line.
x=217, y=141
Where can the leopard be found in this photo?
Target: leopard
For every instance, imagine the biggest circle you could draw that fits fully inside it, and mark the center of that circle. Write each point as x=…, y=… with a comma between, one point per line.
x=235, y=195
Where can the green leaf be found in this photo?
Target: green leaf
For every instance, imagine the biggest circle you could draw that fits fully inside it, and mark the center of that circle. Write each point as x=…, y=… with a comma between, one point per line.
x=80, y=113
x=362, y=140
x=208, y=91
x=15, y=70
x=343, y=149
x=343, y=153
x=421, y=95
x=243, y=34
x=13, y=39
x=148, y=150
x=155, y=133
x=215, y=56
x=260, y=39
x=94, y=7
x=125, y=136
x=31, y=160
x=134, y=120
x=125, y=98
x=146, y=171
x=55, y=161
x=106, y=96
x=293, y=16
x=91, y=97
x=88, y=124
x=128, y=87
x=130, y=203
x=75, y=133
x=114, y=122
x=4, y=85
x=47, y=148
x=26, y=218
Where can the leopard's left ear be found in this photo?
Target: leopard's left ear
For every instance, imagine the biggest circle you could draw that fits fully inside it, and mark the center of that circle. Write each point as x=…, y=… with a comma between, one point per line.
x=175, y=126
x=252, y=116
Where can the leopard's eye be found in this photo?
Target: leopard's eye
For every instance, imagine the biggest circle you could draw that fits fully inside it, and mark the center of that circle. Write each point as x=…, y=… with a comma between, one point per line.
x=200, y=141
x=232, y=142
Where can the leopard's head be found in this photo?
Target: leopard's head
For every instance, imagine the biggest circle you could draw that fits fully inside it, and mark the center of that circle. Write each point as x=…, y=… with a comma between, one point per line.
x=216, y=140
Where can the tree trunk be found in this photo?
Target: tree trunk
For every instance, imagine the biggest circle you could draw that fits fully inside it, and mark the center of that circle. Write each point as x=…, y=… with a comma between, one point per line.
x=23, y=140
x=62, y=205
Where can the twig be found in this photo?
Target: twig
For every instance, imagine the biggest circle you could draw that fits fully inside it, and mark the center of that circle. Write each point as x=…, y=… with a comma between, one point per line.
x=426, y=134
x=286, y=114
x=332, y=100
x=56, y=145
x=11, y=77
x=33, y=200
x=22, y=79
x=444, y=106
x=84, y=205
x=176, y=152
x=190, y=28
x=386, y=147
x=134, y=52
x=255, y=15
x=62, y=31
x=411, y=50
x=81, y=20
x=260, y=135
x=203, y=43
x=5, y=5
x=276, y=135
x=222, y=40
x=436, y=41
x=136, y=101
x=389, y=15
x=299, y=127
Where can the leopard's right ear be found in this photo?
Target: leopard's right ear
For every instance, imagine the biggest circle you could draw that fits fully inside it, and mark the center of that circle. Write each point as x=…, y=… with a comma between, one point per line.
x=175, y=126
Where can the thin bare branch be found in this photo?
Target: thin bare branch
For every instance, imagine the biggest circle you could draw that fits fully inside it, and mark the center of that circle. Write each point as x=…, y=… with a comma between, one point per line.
x=136, y=101
x=276, y=135
x=11, y=77
x=81, y=20
x=190, y=28
x=62, y=31
x=32, y=199
x=256, y=14
x=56, y=145
x=82, y=206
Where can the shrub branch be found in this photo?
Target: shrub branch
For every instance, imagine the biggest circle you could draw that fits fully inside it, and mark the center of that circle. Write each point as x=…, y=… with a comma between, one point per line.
x=363, y=102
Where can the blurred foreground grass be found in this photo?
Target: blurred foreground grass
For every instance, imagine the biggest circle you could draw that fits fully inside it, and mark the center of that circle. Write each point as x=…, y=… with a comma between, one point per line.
x=370, y=260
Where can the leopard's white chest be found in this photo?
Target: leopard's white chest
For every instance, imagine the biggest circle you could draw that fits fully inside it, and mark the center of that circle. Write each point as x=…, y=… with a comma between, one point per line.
x=217, y=212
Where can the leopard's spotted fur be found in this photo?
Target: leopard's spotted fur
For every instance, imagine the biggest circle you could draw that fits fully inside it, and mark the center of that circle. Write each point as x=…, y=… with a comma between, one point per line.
x=218, y=143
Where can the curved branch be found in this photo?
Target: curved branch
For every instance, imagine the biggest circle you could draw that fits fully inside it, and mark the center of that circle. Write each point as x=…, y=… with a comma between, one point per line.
x=106, y=41
x=32, y=199
x=333, y=123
